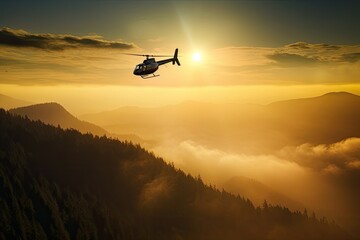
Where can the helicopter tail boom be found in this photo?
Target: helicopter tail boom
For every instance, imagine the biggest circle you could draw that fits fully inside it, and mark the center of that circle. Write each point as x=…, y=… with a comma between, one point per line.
x=173, y=60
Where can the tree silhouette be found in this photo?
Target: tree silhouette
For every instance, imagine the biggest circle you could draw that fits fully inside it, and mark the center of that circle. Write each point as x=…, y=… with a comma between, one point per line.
x=61, y=184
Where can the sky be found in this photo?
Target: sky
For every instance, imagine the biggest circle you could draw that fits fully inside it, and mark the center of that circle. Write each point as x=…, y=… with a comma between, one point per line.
x=72, y=52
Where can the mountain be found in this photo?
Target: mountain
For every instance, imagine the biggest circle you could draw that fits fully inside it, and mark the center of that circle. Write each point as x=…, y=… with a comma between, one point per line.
x=189, y=120
x=328, y=100
x=60, y=184
x=247, y=128
x=199, y=136
x=325, y=119
x=258, y=192
x=55, y=114
x=7, y=102
x=212, y=139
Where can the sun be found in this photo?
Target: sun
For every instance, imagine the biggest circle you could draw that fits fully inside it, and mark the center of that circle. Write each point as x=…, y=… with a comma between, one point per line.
x=196, y=57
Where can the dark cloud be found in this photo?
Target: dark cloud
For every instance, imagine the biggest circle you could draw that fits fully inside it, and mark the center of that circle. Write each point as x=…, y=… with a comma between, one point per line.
x=306, y=46
x=290, y=59
x=25, y=65
x=8, y=61
x=304, y=53
x=326, y=46
x=298, y=45
x=350, y=57
x=21, y=38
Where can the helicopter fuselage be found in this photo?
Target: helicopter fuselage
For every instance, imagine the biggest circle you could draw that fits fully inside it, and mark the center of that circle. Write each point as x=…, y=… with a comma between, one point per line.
x=148, y=66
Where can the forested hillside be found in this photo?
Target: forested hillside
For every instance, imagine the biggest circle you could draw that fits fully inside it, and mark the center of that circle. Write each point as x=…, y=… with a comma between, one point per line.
x=61, y=184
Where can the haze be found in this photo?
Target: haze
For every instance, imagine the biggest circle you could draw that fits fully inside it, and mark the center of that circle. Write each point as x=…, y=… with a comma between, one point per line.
x=221, y=114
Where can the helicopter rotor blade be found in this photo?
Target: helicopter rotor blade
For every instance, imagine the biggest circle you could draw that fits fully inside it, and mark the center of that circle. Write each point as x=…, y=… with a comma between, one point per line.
x=160, y=55
x=147, y=55
x=133, y=54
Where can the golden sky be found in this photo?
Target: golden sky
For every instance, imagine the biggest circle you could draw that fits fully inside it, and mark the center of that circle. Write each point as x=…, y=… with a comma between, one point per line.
x=250, y=52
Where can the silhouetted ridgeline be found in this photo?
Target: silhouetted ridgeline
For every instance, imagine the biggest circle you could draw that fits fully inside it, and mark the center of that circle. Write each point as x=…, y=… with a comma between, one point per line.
x=55, y=114
x=57, y=184
x=7, y=102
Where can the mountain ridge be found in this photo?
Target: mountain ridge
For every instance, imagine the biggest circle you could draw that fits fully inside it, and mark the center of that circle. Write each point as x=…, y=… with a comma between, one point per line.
x=55, y=114
x=330, y=96
x=202, y=103
x=258, y=192
x=322, y=119
x=81, y=184
x=7, y=102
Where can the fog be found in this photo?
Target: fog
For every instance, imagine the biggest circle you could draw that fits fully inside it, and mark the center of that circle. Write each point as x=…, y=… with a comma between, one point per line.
x=301, y=153
x=323, y=188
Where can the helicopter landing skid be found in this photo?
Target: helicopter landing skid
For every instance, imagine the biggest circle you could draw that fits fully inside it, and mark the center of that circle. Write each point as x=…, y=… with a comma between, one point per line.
x=149, y=76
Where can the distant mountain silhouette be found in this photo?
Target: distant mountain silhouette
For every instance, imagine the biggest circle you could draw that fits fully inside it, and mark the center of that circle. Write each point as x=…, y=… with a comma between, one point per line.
x=325, y=119
x=254, y=130
x=131, y=114
x=173, y=120
x=55, y=114
x=331, y=98
x=7, y=102
x=57, y=184
x=258, y=192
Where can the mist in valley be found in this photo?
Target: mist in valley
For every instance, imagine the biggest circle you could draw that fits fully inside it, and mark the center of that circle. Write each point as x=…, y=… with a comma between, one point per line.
x=302, y=153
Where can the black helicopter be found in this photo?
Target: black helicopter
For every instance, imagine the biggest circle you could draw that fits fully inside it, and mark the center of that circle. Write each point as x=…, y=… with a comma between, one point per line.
x=149, y=65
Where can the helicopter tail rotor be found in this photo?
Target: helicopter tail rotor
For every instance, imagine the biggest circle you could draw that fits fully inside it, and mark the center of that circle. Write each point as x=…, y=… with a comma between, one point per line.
x=175, y=58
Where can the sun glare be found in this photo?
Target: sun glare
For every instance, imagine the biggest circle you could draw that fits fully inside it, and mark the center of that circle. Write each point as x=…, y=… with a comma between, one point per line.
x=196, y=57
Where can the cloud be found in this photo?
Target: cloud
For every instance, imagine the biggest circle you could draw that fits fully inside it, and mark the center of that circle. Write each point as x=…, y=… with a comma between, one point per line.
x=27, y=65
x=298, y=45
x=9, y=61
x=295, y=63
x=294, y=53
x=307, y=46
x=325, y=178
x=337, y=166
x=91, y=60
x=302, y=53
x=350, y=57
x=55, y=42
x=217, y=166
x=333, y=158
x=290, y=59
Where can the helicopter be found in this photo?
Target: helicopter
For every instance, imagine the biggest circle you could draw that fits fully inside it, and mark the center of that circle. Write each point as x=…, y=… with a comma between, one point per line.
x=149, y=66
